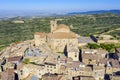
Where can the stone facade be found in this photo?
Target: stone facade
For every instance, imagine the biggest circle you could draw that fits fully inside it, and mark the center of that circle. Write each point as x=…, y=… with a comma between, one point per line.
x=73, y=52
x=40, y=38
x=92, y=56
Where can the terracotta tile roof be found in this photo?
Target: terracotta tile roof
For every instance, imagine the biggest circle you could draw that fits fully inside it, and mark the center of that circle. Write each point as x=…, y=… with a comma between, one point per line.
x=114, y=63
x=4, y=76
x=50, y=77
x=62, y=35
x=62, y=26
x=10, y=71
x=42, y=35
x=73, y=64
x=91, y=56
x=76, y=63
x=98, y=68
x=103, y=61
x=19, y=66
x=89, y=69
x=8, y=75
x=33, y=66
x=51, y=59
x=16, y=58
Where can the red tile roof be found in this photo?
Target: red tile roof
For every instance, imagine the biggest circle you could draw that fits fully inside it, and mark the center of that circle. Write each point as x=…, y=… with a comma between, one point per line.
x=16, y=58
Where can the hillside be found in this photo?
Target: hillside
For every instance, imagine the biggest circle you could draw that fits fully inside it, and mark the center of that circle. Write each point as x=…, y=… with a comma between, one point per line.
x=82, y=24
x=97, y=12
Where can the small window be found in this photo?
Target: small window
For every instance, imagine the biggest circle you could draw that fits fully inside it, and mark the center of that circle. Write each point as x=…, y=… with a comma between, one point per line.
x=21, y=71
x=75, y=55
x=90, y=59
x=51, y=67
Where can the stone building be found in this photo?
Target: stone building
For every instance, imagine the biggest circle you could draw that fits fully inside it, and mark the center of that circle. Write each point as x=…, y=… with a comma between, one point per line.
x=40, y=38
x=26, y=70
x=12, y=62
x=112, y=66
x=98, y=72
x=51, y=68
x=9, y=74
x=93, y=56
x=73, y=52
x=58, y=38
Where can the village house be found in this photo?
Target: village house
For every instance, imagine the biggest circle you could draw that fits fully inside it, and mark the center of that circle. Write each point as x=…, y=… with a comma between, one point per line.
x=92, y=56
x=51, y=68
x=112, y=66
x=103, y=62
x=12, y=62
x=30, y=69
x=73, y=52
x=77, y=68
x=98, y=72
x=9, y=74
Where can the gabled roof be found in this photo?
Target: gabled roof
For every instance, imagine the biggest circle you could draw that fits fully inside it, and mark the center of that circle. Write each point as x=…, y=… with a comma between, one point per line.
x=115, y=63
x=91, y=56
x=16, y=58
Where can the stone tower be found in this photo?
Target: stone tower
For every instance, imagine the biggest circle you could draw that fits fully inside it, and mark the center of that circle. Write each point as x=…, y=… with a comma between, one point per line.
x=53, y=25
x=73, y=52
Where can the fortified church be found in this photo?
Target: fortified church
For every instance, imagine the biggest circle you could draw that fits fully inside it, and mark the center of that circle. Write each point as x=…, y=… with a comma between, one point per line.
x=60, y=39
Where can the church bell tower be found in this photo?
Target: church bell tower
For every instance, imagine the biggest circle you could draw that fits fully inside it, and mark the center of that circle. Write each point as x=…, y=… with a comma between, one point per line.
x=53, y=25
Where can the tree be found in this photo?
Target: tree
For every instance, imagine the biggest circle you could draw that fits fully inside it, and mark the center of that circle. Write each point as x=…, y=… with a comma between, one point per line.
x=27, y=61
x=93, y=46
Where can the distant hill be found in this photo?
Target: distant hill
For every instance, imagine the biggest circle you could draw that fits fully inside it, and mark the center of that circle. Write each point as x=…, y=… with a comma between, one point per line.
x=96, y=12
x=4, y=14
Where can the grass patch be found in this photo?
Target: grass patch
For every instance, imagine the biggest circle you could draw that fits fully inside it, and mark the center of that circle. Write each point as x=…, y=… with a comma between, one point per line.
x=2, y=47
